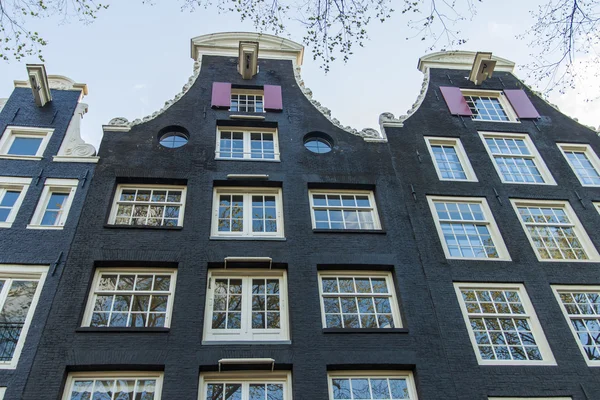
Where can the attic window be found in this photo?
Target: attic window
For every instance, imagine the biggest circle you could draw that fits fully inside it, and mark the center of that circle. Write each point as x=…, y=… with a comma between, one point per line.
x=173, y=137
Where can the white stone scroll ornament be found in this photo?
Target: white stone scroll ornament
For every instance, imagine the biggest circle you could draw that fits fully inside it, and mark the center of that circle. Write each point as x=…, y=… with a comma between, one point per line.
x=73, y=145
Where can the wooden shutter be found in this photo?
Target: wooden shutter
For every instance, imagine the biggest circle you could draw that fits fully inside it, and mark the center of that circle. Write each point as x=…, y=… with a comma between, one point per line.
x=221, y=94
x=273, y=100
x=455, y=100
x=521, y=104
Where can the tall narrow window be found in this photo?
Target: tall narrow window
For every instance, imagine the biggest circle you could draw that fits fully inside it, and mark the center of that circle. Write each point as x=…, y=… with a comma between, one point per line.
x=148, y=205
x=247, y=100
x=502, y=324
x=467, y=228
x=516, y=159
x=583, y=161
x=25, y=143
x=450, y=159
x=387, y=385
x=113, y=385
x=12, y=192
x=344, y=209
x=251, y=385
x=259, y=144
x=554, y=231
x=54, y=205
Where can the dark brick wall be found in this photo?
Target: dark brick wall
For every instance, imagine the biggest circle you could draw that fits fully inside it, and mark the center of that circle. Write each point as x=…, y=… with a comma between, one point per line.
x=19, y=245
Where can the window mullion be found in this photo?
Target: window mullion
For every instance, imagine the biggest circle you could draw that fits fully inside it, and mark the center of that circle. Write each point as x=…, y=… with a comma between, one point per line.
x=246, y=306
x=247, y=214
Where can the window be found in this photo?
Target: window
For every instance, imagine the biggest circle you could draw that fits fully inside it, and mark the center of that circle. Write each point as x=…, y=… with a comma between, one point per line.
x=248, y=385
x=131, y=298
x=243, y=305
x=467, y=228
x=358, y=300
x=115, y=385
x=247, y=213
x=317, y=145
x=502, y=324
x=450, y=159
x=148, y=205
x=247, y=100
x=53, y=208
x=12, y=193
x=489, y=105
x=583, y=161
x=258, y=144
x=351, y=385
x=173, y=140
x=516, y=159
x=20, y=288
x=344, y=209
x=24, y=142
x=554, y=231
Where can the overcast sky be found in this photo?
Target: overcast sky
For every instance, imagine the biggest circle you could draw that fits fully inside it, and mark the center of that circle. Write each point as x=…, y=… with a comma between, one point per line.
x=135, y=57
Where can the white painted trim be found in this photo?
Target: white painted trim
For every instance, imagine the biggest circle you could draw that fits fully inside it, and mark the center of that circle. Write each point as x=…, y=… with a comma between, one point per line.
x=12, y=131
x=580, y=231
x=460, y=152
x=158, y=376
x=536, y=327
x=2, y=392
x=407, y=375
x=75, y=159
x=459, y=60
x=52, y=185
x=535, y=156
x=245, y=378
x=369, y=193
x=506, y=106
x=72, y=144
x=589, y=153
x=247, y=142
x=13, y=183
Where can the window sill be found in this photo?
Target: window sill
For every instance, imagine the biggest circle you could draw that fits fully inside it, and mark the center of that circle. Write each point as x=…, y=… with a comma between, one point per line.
x=5, y=224
x=9, y=157
x=46, y=227
x=372, y=231
x=87, y=329
x=365, y=330
x=234, y=342
x=246, y=116
x=247, y=159
x=150, y=227
x=280, y=239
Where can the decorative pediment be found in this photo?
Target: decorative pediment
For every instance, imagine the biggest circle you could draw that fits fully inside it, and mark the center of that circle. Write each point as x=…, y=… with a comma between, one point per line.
x=459, y=60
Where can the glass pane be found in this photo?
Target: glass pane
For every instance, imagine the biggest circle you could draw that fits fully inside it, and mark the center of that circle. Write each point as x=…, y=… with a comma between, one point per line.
x=25, y=146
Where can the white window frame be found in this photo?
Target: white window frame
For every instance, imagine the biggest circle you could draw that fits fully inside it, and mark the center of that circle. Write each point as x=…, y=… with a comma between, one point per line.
x=24, y=131
x=23, y=272
x=246, y=333
x=2, y=392
x=406, y=375
x=581, y=148
x=499, y=94
x=248, y=92
x=8, y=183
x=536, y=327
x=115, y=205
x=535, y=156
x=580, y=231
x=113, y=375
x=247, y=192
x=369, y=193
x=53, y=185
x=362, y=274
x=89, y=311
x=247, y=132
x=246, y=378
x=460, y=153
x=490, y=222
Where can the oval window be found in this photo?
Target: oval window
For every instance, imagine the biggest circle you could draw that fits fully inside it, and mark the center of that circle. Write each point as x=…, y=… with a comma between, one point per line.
x=173, y=140
x=318, y=145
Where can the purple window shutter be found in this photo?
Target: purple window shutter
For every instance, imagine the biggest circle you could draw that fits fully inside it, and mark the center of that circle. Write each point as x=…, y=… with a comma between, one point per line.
x=521, y=104
x=273, y=98
x=221, y=94
x=455, y=100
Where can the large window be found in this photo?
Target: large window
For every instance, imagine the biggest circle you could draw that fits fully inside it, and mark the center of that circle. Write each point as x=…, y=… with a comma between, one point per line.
x=467, y=228
x=489, y=105
x=554, y=231
x=12, y=192
x=450, y=159
x=24, y=143
x=246, y=305
x=247, y=213
x=54, y=204
x=516, y=159
x=258, y=144
x=247, y=385
x=247, y=100
x=354, y=299
x=20, y=288
x=502, y=324
x=113, y=386
x=131, y=298
x=148, y=205
x=344, y=209
x=583, y=161
x=388, y=385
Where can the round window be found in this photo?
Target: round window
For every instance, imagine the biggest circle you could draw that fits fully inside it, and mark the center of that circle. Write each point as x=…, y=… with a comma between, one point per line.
x=318, y=145
x=173, y=138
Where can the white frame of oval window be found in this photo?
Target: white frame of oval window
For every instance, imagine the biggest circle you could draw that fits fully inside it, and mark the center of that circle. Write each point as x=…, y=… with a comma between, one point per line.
x=341, y=192
x=113, y=210
x=283, y=377
x=12, y=131
x=73, y=376
x=503, y=254
x=582, y=235
x=499, y=94
x=89, y=309
x=355, y=374
x=536, y=327
x=460, y=152
x=389, y=280
x=54, y=185
x=8, y=183
x=247, y=131
x=583, y=148
x=535, y=155
x=281, y=337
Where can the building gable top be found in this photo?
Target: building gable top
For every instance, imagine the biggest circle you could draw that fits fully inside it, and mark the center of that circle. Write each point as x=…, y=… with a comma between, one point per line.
x=459, y=60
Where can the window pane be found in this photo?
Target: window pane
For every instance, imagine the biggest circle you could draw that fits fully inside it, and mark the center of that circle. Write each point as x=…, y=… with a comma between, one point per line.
x=25, y=146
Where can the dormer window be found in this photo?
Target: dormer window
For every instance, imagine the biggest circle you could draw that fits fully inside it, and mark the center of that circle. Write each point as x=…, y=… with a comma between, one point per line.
x=488, y=106
x=238, y=98
x=247, y=100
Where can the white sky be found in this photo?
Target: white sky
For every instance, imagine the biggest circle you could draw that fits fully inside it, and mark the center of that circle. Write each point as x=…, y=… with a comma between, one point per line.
x=135, y=57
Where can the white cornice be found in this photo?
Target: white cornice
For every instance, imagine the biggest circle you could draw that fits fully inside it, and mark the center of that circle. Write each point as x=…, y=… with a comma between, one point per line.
x=459, y=60
x=58, y=82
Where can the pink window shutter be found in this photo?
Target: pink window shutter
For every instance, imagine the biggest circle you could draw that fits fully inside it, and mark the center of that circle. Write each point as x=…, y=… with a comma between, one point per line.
x=521, y=104
x=221, y=94
x=455, y=100
x=273, y=99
